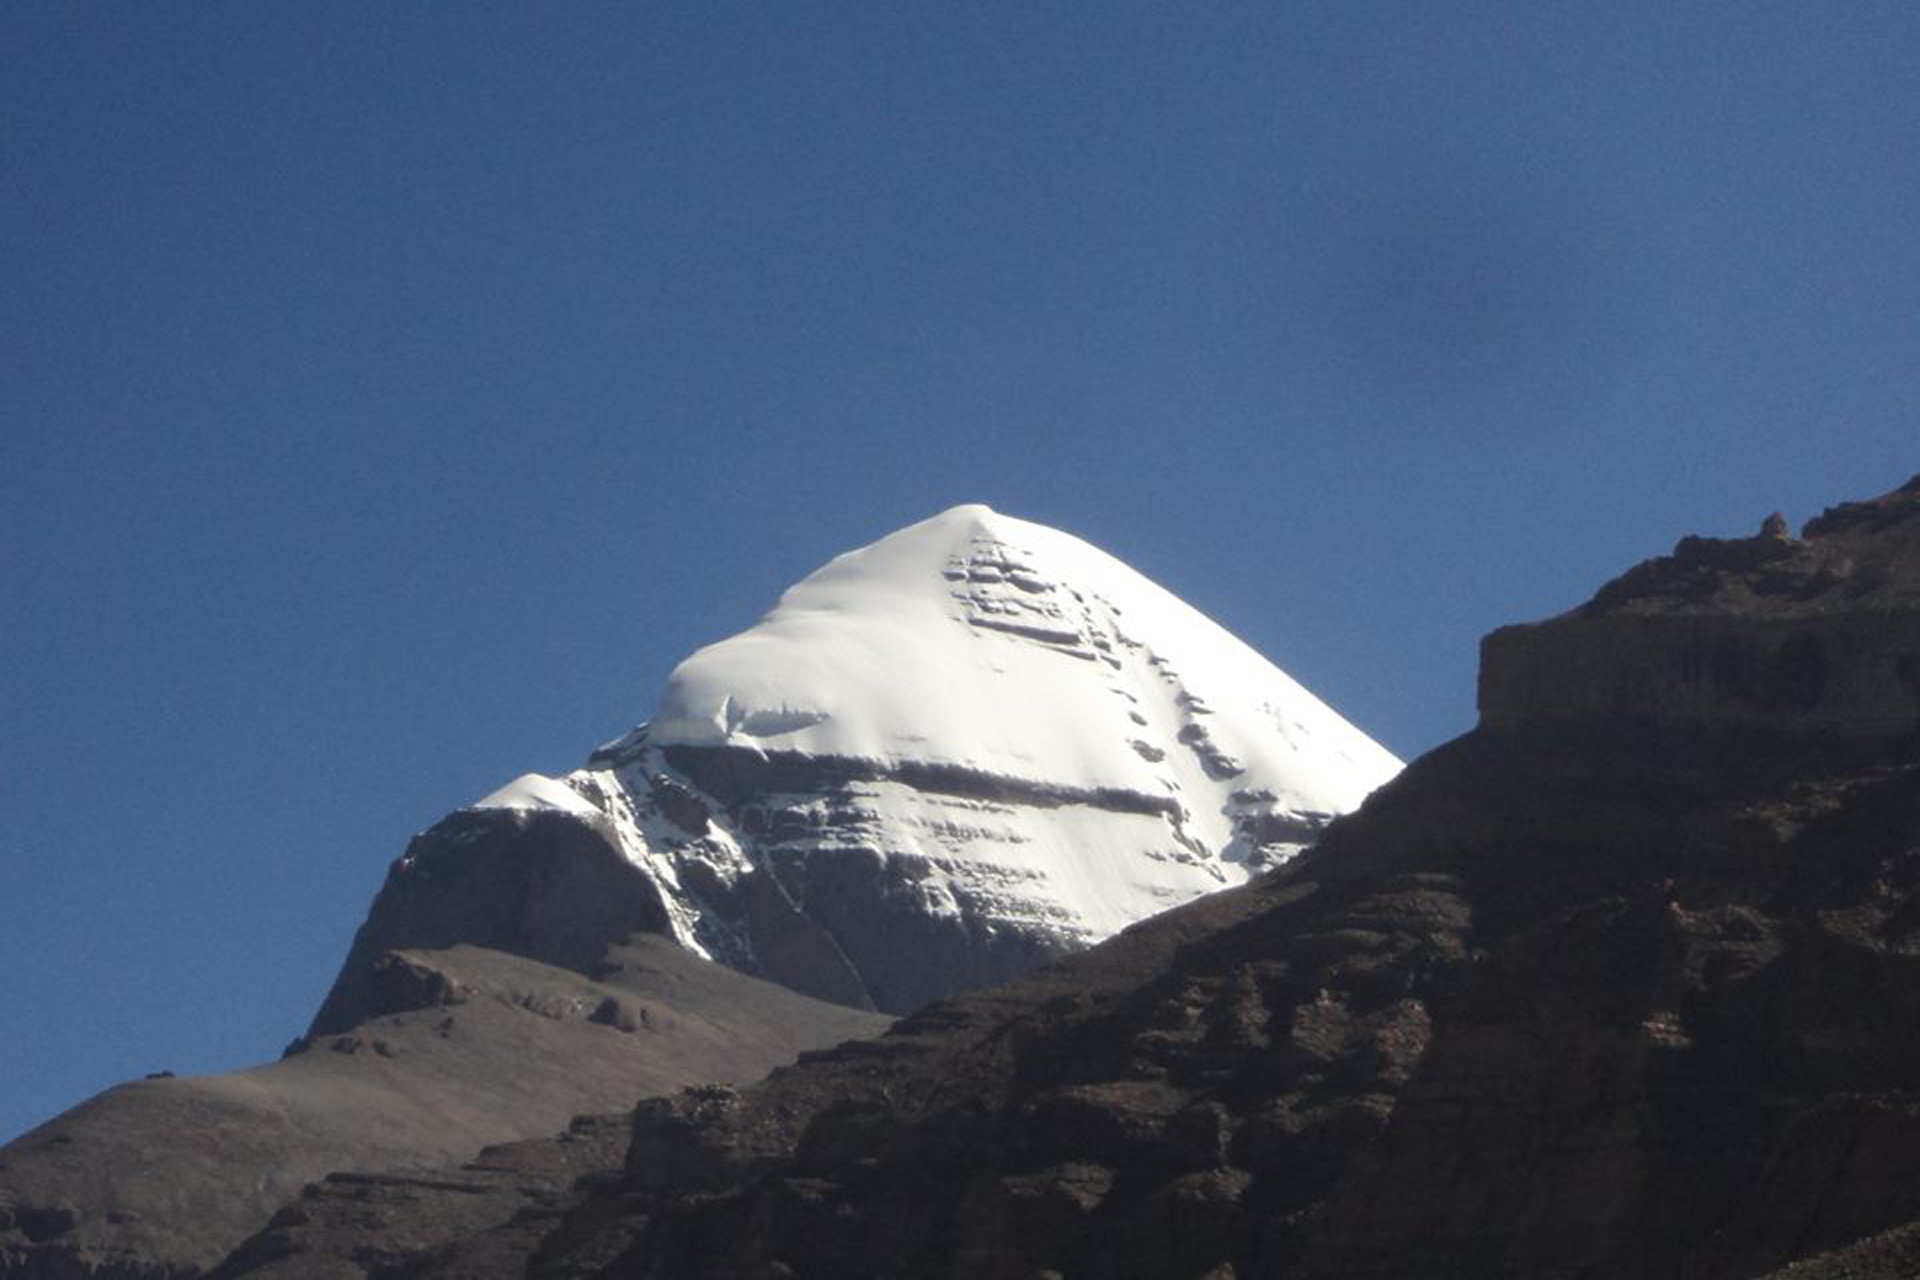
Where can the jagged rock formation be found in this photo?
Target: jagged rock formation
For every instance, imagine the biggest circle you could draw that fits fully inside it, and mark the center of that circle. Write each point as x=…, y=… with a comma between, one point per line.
x=1820, y=632
x=943, y=759
x=455, y=1049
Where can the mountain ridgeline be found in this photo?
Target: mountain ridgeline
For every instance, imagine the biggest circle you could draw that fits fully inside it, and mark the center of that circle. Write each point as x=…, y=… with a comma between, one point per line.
x=941, y=761
x=1620, y=984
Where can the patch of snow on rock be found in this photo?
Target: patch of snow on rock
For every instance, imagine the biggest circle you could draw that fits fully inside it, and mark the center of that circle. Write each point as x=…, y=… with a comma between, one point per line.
x=536, y=791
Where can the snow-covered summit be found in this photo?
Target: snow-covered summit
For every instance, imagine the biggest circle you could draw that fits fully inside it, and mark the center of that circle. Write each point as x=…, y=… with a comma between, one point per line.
x=979, y=640
x=945, y=756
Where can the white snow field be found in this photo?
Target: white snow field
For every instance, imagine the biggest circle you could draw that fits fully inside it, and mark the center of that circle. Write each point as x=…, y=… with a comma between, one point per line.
x=978, y=721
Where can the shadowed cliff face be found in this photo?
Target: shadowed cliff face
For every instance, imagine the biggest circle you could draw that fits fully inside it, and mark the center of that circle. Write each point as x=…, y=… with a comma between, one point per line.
x=1819, y=633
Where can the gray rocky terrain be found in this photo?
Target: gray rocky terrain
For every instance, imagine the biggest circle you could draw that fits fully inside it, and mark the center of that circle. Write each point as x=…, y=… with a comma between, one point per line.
x=455, y=1049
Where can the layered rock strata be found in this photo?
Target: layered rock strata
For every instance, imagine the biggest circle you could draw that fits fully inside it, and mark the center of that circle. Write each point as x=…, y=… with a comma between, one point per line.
x=1819, y=633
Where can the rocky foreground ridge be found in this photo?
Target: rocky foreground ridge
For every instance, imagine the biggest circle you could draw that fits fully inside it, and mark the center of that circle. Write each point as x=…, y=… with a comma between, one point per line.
x=1594, y=996
x=1815, y=633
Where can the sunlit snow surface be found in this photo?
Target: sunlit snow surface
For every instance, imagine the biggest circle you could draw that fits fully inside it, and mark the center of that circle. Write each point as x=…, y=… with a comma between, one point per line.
x=536, y=791
x=1147, y=755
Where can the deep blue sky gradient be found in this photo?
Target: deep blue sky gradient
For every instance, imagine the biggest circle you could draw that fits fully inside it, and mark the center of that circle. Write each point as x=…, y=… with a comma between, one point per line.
x=390, y=395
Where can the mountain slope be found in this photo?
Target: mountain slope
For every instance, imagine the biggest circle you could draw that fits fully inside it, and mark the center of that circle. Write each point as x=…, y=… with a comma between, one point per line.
x=942, y=759
x=462, y=1048
x=1608, y=988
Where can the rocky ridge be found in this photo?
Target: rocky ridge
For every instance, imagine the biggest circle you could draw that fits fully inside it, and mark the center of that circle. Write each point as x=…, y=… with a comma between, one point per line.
x=1607, y=995
x=1467, y=1037
x=457, y=1048
x=1819, y=632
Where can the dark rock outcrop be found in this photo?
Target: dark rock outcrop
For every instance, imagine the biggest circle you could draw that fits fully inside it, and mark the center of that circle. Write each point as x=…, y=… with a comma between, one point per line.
x=1819, y=634
x=541, y=884
x=473, y=1218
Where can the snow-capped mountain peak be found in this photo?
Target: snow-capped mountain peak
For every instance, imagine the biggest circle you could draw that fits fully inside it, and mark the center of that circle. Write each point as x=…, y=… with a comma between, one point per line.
x=978, y=734
x=981, y=641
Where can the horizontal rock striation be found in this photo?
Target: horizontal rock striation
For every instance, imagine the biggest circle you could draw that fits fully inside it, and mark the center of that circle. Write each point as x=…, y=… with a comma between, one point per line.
x=972, y=747
x=736, y=777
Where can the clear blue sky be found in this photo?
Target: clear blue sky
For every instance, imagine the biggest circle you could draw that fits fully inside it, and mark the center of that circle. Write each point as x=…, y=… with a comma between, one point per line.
x=390, y=394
